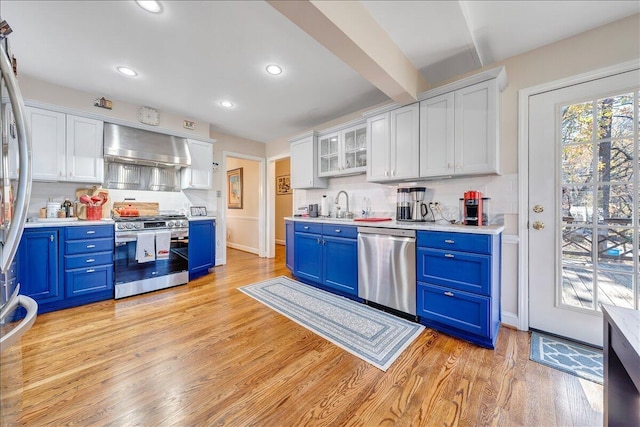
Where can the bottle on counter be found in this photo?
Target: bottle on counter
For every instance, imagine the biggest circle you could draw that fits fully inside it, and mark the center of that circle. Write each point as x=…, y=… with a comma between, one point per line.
x=67, y=207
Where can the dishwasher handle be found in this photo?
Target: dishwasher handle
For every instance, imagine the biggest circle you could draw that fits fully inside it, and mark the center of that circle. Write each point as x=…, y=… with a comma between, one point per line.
x=397, y=232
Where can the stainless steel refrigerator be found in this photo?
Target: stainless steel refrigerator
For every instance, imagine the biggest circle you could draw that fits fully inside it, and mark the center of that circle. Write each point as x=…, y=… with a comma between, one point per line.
x=15, y=177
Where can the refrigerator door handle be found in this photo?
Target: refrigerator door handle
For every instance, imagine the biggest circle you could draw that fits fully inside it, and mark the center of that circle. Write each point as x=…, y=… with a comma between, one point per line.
x=10, y=338
x=12, y=235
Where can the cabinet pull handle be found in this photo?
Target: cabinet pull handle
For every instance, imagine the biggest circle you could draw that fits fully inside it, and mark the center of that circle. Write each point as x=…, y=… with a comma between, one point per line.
x=449, y=256
x=51, y=237
x=306, y=227
x=91, y=246
x=91, y=232
x=449, y=294
x=337, y=230
x=91, y=260
x=319, y=241
x=450, y=241
x=386, y=173
x=91, y=270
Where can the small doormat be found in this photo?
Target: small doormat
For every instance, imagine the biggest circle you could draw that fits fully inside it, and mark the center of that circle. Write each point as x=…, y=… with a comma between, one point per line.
x=372, y=335
x=567, y=356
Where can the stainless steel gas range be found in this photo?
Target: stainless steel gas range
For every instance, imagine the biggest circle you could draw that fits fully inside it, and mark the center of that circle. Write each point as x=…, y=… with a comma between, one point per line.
x=151, y=253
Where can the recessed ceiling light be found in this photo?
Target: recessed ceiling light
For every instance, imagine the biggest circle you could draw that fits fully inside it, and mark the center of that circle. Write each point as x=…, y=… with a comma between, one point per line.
x=226, y=104
x=127, y=71
x=150, y=5
x=274, y=69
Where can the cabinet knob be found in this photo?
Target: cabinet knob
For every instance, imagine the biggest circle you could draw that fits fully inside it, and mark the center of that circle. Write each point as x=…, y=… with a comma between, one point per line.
x=449, y=294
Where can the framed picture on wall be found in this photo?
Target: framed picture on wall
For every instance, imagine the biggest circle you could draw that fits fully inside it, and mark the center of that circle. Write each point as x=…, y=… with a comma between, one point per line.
x=234, y=189
x=283, y=185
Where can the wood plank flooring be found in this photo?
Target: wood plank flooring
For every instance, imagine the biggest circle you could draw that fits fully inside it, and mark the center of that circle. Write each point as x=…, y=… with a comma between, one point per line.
x=205, y=354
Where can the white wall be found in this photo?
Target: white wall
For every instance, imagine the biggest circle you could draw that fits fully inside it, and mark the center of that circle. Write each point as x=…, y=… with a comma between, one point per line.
x=243, y=224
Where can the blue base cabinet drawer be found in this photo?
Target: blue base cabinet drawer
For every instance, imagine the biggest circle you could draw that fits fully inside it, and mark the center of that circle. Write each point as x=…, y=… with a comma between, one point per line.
x=88, y=260
x=457, y=270
x=460, y=310
x=464, y=242
x=308, y=227
x=88, y=280
x=90, y=245
x=89, y=232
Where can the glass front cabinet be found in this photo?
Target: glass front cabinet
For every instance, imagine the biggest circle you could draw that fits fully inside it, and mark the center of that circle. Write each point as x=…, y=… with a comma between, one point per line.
x=343, y=152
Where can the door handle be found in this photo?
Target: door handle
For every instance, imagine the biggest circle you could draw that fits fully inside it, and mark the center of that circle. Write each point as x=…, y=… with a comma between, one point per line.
x=538, y=208
x=538, y=225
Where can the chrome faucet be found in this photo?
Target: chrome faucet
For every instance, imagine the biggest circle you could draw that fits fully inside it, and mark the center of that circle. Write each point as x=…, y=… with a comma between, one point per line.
x=346, y=213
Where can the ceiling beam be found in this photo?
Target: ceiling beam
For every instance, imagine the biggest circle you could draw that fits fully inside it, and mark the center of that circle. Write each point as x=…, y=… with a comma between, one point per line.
x=349, y=31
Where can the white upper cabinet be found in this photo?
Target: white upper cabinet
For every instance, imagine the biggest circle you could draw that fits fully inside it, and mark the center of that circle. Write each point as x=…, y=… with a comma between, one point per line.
x=65, y=147
x=304, y=162
x=343, y=152
x=459, y=132
x=199, y=175
x=394, y=144
x=84, y=145
x=48, y=140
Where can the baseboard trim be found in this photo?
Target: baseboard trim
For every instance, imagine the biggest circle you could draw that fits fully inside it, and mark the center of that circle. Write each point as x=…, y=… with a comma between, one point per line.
x=510, y=319
x=281, y=242
x=243, y=248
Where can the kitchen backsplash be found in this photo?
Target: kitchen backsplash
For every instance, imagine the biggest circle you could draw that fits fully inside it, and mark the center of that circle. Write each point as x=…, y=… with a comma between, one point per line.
x=179, y=201
x=502, y=190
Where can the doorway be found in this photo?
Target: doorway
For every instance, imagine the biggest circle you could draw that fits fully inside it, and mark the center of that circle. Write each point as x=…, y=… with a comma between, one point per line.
x=244, y=203
x=583, y=190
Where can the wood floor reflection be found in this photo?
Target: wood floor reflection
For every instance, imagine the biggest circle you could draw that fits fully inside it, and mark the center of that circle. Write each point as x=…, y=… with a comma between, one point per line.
x=205, y=354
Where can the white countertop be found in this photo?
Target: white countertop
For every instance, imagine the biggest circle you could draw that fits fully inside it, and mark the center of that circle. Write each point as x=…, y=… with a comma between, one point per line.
x=424, y=226
x=201, y=218
x=65, y=222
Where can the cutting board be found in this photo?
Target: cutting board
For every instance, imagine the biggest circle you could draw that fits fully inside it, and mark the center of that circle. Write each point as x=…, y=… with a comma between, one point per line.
x=81, y=210
x=144, y=208
x=372, y=219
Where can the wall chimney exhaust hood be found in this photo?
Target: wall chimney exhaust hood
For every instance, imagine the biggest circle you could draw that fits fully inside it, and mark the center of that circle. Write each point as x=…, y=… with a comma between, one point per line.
x=125, y=144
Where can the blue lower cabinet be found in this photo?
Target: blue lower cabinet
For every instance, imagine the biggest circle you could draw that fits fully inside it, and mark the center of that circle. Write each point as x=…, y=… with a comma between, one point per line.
x=289, y=245
x=326, y=256
x=40, y=265
x=202, y=247
x=340, y=264
x=458, y=284
x=64, y=267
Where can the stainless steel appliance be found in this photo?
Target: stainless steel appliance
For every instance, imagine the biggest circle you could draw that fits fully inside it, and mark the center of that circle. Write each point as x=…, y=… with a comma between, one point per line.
x=418, y=207
x=134, y=235
x=387, y=268
x=16, y=147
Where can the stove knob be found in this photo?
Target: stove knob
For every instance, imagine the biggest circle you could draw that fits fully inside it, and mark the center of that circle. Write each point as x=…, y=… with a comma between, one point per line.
x=128, y=225
x=138, y=225
x=171, y=224
x=184, y=223
x=120, y=226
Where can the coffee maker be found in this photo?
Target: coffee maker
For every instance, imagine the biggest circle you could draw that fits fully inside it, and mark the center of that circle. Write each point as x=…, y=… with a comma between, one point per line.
x=403, y=205
x=418, y=207
x=474, y=209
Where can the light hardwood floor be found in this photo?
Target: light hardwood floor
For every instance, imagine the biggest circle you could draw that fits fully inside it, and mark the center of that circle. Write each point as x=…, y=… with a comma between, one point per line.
x=205, y=354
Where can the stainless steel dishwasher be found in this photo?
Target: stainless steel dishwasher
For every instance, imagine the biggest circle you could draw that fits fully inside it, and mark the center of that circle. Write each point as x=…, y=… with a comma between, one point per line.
x=387, y=268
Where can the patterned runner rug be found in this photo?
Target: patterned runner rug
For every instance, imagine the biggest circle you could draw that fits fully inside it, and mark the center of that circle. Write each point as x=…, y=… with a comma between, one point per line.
x=372, y=335
x=567, y=356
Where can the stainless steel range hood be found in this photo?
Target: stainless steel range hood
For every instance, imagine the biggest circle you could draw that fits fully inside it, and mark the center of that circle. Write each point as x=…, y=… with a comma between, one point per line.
x=125, y=144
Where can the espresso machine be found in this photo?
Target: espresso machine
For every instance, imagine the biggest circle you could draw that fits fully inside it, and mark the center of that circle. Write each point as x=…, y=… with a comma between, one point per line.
x=418, y=207
x=474, y=208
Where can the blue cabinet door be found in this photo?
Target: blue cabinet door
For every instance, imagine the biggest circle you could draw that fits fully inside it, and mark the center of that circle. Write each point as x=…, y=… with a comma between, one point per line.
x=308, y=260
x=340, y=264
x=289, y=245
x=40, y=265
x=202, y=247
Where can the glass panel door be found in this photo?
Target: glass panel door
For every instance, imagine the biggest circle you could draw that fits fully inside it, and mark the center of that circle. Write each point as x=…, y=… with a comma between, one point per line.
x=599, y=190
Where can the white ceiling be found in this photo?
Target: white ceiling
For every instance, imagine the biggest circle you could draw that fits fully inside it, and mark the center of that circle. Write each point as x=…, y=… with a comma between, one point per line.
x=197, y=53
